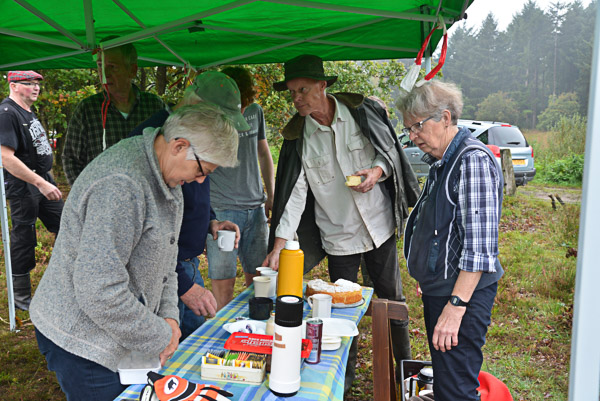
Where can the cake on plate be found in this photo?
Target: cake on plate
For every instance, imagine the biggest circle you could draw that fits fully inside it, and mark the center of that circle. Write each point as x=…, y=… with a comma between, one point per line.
x=342, y=291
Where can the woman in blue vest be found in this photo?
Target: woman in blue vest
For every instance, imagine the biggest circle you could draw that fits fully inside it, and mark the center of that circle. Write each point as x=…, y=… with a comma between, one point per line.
x=451, y=237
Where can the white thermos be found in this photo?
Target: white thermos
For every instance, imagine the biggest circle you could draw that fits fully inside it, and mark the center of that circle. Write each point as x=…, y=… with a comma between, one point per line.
x=284, y=380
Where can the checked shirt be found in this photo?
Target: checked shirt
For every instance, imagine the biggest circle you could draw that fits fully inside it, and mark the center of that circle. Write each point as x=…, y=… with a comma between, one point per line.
x=84, y=134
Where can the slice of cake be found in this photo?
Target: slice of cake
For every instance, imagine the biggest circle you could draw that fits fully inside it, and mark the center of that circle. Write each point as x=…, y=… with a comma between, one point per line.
x=342, y=291
x=353, y=180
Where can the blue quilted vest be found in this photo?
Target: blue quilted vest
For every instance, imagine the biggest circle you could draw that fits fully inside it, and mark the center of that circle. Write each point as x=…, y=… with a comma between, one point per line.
x=432, y=247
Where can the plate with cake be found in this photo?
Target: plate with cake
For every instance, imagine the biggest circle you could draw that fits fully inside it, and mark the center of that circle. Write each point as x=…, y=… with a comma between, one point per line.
x=344, y=293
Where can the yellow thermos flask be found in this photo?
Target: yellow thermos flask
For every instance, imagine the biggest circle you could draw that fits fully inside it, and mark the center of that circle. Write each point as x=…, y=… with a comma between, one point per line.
x=291, y=270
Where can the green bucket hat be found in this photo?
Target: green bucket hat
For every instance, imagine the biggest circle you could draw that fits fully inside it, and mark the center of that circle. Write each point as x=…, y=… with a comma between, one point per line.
x=304, y=66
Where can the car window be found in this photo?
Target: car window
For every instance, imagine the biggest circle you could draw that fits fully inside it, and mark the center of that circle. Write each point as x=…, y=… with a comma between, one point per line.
x=506, y=136
x=483, y=138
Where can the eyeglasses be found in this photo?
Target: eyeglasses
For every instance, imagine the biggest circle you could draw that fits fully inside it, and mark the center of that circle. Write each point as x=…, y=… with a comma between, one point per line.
x=30, y=84
x=199, y=165
x=416, y=127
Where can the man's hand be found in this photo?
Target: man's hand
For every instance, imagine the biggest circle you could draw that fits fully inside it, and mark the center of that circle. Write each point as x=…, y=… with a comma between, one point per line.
x=445, y=334
x=371, y=175
x=268, y=209
x=216, y=225
x=50, y=191
x=272, y=259
x=200, y=300
x=168, y=352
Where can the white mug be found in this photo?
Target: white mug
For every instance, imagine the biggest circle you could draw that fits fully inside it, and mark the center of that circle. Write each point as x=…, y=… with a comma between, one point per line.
x=262, y=286
x=322, y=305
x=273, y=275
x=226, y=240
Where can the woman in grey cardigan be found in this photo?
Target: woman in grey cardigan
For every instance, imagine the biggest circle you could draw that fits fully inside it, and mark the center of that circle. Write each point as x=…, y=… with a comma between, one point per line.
x=110, y=288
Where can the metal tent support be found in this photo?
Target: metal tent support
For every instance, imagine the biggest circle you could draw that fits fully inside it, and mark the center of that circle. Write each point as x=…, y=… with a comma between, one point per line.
x=584, y=380
x=6, y=244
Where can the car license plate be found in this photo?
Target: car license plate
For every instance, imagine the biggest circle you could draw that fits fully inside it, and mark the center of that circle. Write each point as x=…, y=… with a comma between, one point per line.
x=519, y=162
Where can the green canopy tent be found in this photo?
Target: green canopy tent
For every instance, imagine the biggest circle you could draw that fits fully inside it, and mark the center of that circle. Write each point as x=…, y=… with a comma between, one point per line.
x=43, y=34
x=46, y=34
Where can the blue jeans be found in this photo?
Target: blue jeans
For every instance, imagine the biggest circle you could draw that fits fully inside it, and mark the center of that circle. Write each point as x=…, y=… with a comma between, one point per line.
x=456, y=371
x=188, y=320
x=252, y=248
x=79, y=378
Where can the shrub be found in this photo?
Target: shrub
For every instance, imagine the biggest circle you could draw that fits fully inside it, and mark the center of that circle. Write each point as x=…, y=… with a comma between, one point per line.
x=565, y=171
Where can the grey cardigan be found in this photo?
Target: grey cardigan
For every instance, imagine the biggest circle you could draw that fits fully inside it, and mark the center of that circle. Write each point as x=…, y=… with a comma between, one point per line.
x=111, y=280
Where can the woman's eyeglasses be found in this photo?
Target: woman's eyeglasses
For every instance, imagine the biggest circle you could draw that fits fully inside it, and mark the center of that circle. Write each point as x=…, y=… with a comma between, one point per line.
x=416, y=127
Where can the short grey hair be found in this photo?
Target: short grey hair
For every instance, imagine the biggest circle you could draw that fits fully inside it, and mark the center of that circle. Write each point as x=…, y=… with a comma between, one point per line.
x=431, y=99
x=127, y=51
x=210, y=132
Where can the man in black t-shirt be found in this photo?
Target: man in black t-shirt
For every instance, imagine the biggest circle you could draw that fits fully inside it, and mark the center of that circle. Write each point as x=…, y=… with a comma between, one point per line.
x=30, y=189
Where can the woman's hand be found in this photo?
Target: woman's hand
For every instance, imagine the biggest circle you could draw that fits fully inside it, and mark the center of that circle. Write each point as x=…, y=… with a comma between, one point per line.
x=445, y=334
x=168, y=352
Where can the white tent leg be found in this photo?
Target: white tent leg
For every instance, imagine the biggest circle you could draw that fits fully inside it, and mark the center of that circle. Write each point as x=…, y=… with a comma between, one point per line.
x=585, y=353
x=6, y=244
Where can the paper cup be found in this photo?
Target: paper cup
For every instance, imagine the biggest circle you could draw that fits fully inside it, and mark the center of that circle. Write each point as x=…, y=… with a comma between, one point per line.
x=262, y=286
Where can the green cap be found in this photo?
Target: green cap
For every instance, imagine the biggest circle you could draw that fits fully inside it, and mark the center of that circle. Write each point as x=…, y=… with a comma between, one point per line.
x=220, y=89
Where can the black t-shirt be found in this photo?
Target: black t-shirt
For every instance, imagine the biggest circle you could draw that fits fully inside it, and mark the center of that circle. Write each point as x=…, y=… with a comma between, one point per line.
x=20, y=130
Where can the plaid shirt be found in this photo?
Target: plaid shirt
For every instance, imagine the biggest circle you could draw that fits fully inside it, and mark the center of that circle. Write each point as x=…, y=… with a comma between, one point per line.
x=84, y=134
x=476, y=245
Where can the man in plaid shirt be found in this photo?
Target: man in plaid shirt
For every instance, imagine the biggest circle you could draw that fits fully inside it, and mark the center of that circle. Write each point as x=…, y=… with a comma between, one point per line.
x=103, y=119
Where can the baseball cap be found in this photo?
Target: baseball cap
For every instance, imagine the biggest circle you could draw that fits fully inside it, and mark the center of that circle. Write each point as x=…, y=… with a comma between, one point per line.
x=16, y=76
x=220, y=89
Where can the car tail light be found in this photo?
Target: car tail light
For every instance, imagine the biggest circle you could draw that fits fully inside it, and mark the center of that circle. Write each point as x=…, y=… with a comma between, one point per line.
x=531, y=151
x=495, y=150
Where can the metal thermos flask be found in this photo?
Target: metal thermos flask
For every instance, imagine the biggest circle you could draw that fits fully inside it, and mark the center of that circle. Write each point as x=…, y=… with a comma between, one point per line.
x=291, y=270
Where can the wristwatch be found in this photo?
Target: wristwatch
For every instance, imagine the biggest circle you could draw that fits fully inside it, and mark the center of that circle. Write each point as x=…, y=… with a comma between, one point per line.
x=456, y=301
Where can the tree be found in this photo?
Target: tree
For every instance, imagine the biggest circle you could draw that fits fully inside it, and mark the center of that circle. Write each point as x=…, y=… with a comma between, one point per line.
x=498, y=107
x=564, y=105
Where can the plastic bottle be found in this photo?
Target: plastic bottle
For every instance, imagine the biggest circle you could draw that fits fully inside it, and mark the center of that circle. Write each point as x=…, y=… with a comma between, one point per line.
x=270, y=325
x=291, y=270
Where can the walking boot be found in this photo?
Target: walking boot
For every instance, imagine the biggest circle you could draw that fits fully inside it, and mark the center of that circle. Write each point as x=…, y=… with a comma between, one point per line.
x=22, y=291
x=400, y=345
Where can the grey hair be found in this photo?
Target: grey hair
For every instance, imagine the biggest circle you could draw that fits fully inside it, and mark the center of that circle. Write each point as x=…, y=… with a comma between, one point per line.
x=431, y=99
x=210, y=132
x=127, y=50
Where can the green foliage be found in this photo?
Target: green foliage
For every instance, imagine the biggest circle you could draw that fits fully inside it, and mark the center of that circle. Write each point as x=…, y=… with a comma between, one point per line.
x=564, y=105
x=497, y=107
x=565, y=171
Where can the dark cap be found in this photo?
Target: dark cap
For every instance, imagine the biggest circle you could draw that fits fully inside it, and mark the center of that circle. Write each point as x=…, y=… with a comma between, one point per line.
x=304, y=66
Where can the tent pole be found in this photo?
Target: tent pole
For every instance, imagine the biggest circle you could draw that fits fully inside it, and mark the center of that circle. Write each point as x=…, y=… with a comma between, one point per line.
x=585, y=353
x=49, y=21
x=6, y=244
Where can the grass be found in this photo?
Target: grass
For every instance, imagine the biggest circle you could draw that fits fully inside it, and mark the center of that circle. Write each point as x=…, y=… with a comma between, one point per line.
x=528, y=343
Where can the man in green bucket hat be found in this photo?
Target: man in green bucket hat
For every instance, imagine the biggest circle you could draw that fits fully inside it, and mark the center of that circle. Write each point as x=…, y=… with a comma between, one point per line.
x=332, y=137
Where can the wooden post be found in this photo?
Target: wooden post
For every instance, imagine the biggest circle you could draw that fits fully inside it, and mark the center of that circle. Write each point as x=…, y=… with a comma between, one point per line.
x=510, y=187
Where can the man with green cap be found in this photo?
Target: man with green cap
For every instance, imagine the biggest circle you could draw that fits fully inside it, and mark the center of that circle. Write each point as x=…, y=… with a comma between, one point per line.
x=334, y=136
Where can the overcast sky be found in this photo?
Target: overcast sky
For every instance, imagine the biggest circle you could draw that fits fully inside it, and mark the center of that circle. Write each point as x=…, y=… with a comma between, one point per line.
x=504, y=10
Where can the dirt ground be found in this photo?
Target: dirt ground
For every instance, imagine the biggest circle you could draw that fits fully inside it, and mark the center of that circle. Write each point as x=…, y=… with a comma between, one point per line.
x=567, y=195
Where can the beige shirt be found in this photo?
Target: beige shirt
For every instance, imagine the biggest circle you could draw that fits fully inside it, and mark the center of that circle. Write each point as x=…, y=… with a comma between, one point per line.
x=350, y=222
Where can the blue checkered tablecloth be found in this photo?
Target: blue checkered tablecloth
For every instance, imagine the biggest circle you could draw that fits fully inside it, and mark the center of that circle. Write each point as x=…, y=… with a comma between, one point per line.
x=322, y=381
